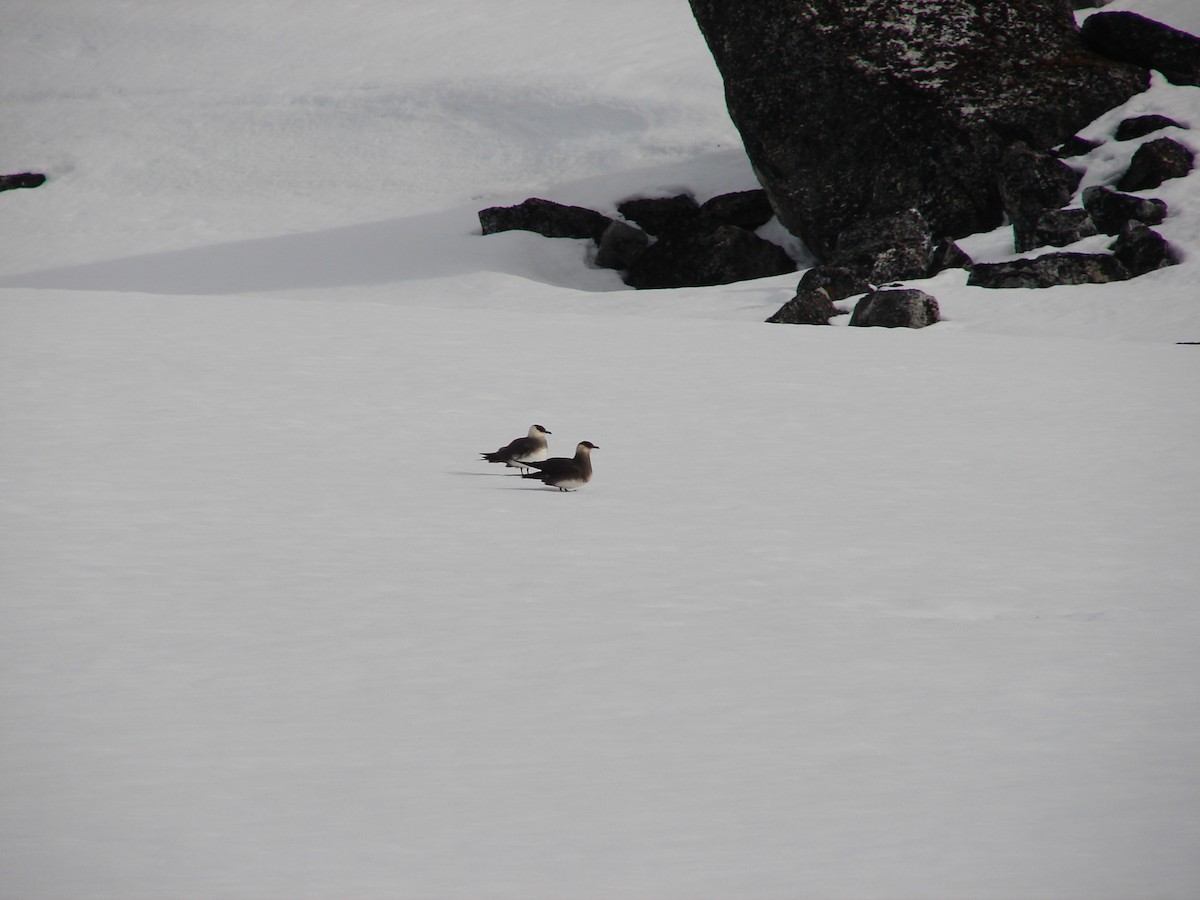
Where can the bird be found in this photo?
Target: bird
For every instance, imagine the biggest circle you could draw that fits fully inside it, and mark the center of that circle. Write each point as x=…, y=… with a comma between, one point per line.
x=563, y=473
x=516, y=454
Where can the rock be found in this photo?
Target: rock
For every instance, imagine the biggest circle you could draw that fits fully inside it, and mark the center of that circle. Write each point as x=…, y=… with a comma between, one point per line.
x=620, y=246
x=1032, y=182
x=544, y=217
x=1110, y=210
x=745, y=209
x=21, y=180
x=1140, y=126
x=1155, y=162
x=1049, y=270
x=890, y=248
x=810, y=307
x=658, y=215
x=695, y=258
x=1075, y=146
x=1141, y=249
x=948, y=255
x=1060, y=227
x=836, y=281
x=852, y=111
x=1131, y=38
x=895, y=308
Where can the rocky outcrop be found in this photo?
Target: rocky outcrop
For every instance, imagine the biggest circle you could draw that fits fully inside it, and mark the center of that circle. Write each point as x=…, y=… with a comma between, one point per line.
x=895, y=308
x=544, y=217
x=854, y=111
x=1155, y=162
x=1143, y=42
x=1049, y=270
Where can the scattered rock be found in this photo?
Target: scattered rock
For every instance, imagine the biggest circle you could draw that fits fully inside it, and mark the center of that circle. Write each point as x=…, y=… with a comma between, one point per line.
x=895, y=308
x=1061, y=227
x=1140, y=126
x=1032, y=182
x=659, y=215
x=836, y=281
x=1131, y=38
x=808, y=307
x=890, y=248
x=1141, y=249
x=850, y=112
x=948, y=255
x=1155, y=162
x=745, y=209
x=1110, y=210
x=545, y=217
x=1075, y=146
x=620, y=246
x=696, y=258
x=1049, y=270
x=21, y=180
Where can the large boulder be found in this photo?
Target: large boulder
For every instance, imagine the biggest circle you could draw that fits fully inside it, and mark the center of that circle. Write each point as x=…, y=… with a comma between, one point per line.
x=1032, y=182
x=1135, y=39
x=808, y=307
x=1049, y=270
x=1140, y=126
x=1141, y=249
x=544, y=217
x=696, y=257
x=895, y=308
x=1155, y=162
x=1110, y=210
x=890, y=248
x=1062, y=227
x=855, y=110
x=21, y=180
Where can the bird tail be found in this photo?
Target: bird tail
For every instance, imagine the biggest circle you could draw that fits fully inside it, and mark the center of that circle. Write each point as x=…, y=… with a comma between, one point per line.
x=492, y=457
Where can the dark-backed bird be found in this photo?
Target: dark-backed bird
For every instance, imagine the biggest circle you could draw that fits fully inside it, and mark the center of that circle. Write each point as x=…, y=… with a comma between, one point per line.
x=523, y=450
x=563, y=473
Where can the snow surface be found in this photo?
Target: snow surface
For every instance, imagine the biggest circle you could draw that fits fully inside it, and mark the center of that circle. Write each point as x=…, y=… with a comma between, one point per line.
x=845, y=613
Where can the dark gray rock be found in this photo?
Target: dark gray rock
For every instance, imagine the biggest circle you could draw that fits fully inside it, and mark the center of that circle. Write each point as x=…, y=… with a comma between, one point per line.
x=836, y=281
x=1110, y=210
x=21, y=180
x=1049, y=270
x=544, y=217
x=620, y=246
x=1060, y=227
x=1156, y=162
x=807, y=308
x=890, y=248
x=1141, y=249
x=948, y=255
x=851, y=111
x=895, y=308
x=695, y=258
x=745, y=209
x=659, y=215
x=1131, y=38
x=1075, y=146
x=1032, y=182
x=1140, y=126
